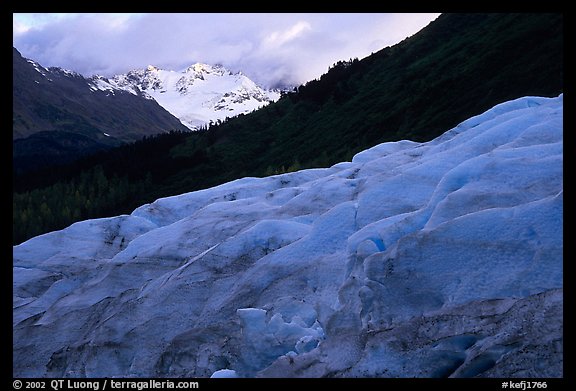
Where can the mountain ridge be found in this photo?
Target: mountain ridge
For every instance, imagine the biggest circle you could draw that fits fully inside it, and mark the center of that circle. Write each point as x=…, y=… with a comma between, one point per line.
x=63, y=94
x=72, y=118
x=57, y=117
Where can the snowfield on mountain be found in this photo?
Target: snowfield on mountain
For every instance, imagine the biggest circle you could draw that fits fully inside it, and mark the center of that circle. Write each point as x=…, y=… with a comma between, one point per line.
x=197, y=95
x=434, y=259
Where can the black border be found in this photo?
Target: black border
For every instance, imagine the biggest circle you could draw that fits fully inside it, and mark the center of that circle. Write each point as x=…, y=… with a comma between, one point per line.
x=241, y=7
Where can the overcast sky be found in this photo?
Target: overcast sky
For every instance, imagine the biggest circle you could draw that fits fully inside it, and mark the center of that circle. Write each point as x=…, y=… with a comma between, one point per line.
x=271, y=49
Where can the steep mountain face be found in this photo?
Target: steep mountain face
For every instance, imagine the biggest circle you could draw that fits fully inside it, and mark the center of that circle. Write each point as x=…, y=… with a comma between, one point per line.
x=59, y=115
x=198, y=95
x=433, y=259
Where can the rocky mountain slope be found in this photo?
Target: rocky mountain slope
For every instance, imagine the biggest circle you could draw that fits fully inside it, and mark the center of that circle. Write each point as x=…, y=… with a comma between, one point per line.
x=58, y=115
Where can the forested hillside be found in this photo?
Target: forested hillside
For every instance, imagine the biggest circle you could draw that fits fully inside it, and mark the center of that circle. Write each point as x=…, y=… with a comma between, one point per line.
x=458, y=66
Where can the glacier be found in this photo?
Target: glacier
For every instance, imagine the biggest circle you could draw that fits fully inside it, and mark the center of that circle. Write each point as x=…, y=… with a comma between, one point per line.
x=434, y=259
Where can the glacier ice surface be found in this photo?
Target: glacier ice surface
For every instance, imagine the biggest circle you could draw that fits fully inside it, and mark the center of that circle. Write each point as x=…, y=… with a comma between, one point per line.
x=415, y=259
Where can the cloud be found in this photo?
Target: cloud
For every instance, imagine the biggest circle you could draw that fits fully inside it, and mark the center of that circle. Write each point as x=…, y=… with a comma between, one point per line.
x=272, y=49
x=278, y=38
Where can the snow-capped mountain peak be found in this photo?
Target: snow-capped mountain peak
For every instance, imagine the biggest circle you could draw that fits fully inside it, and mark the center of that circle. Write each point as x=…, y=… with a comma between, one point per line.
x=198, y=67
x=197, y=95
x=201, y=68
